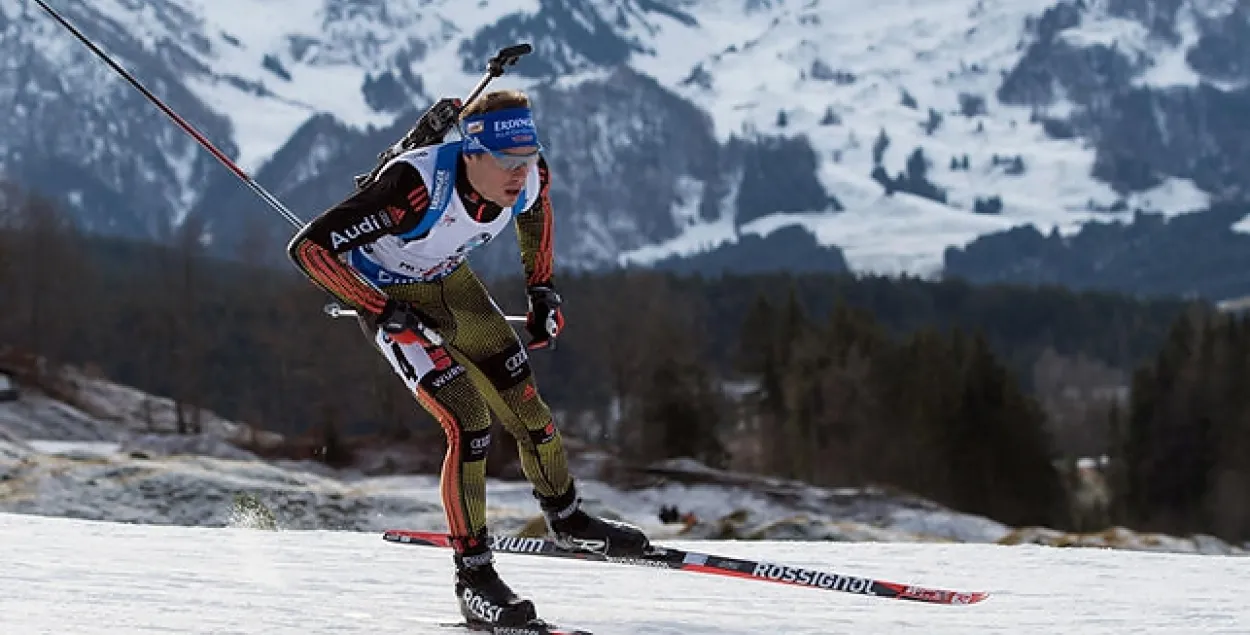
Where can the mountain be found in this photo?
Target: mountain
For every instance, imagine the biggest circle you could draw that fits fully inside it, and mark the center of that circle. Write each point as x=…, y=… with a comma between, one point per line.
x=883, y=134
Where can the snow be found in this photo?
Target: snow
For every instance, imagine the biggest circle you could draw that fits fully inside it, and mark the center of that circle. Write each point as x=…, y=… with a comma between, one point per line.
x=105, y=451
x=181, y=152
x=125, y=578
x=71, y=449
x=148, y=542
x=343, y=49
x=1120, y=33
x=108, y=452
x=1166, y=62
x=760, y=57
x=268, y=125
x=933, y=50
x=694, y=235
x=195, y=484
x=141, y=481
x=105, y=411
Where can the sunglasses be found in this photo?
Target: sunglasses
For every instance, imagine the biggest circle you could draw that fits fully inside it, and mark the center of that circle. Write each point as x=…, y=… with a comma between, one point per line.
x=512, y=162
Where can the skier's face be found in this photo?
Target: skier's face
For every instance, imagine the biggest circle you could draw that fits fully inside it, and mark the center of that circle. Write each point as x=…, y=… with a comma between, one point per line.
x=499, y=176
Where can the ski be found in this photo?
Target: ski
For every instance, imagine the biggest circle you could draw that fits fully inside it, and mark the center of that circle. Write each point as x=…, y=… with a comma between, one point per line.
x=706, y=563
x=529, y=629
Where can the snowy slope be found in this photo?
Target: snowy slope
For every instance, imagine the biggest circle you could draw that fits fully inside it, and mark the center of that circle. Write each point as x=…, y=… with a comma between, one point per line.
x=108, y=481
x=142, y=579
x=109, y=452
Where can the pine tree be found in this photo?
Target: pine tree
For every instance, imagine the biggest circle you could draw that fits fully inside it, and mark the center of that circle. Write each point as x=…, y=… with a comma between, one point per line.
x=1170, y=445
x=998, y=447
x=879, y=146
x=767, y=345
x=683, y=410
x=846, y=439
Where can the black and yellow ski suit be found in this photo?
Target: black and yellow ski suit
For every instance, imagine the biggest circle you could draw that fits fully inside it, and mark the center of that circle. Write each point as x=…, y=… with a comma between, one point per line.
x=481, y=366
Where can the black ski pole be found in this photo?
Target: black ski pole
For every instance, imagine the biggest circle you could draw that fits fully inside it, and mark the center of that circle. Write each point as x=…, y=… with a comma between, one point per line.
x=182, y=123
x=495, y=67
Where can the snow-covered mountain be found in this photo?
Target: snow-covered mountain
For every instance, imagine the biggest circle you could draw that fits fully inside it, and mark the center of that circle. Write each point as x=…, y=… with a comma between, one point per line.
x=889, y=130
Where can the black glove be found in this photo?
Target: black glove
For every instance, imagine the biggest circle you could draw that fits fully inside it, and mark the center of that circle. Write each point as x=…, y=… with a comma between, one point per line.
x=403, y=323
x=544, y=321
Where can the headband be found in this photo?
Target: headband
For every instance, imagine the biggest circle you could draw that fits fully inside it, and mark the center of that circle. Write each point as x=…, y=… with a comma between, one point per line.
x=499, y=130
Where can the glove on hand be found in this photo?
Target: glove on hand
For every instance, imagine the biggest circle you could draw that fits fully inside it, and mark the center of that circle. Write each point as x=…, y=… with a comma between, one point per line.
x=544, y=320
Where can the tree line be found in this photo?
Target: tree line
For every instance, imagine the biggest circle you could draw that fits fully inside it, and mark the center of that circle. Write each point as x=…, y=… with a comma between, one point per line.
x=979, y=397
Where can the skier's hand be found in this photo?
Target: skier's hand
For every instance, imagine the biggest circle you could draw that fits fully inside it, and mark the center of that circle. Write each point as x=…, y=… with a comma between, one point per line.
x=544, y=321
x=403, y=323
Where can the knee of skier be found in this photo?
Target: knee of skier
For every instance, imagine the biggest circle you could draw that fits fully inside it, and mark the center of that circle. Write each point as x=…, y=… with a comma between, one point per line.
x=476, y=445
x=545, y=434
x=445, y=370
x=508, y=368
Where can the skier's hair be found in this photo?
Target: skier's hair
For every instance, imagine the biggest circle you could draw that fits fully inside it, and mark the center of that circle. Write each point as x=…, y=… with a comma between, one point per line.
x=496, y=100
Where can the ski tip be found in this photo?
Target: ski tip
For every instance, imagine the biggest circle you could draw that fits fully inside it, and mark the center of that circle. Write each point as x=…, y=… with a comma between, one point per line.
x=960, y=598
x=976, y=596
x=937, y=596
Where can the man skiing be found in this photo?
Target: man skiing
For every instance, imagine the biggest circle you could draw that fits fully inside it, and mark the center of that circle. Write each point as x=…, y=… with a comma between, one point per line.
x=409, y=231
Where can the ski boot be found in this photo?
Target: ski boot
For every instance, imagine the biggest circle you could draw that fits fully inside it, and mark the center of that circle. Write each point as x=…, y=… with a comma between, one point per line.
x=573, y=529
x=485, y=600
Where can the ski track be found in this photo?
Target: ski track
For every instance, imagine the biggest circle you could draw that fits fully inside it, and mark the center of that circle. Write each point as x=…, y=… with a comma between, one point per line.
x=83, y=577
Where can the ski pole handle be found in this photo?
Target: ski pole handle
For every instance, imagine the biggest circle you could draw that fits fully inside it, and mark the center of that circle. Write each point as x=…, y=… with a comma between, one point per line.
x=335, y=311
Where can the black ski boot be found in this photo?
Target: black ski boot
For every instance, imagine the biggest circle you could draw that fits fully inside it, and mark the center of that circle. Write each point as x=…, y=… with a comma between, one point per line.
x=576, y=530
x=485, y=600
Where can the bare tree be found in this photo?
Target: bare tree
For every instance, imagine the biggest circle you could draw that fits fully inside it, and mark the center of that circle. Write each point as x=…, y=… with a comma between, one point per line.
x=177, y=320
x=1077, y=394
x=639, y=322
x=47, y=273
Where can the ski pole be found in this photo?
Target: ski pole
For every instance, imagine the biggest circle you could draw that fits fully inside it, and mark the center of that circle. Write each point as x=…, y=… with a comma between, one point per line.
x=335, y=311
x=182, y=123
x=495, y=67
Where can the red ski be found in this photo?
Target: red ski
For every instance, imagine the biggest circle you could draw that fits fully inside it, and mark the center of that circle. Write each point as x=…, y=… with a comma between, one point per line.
x=696, y=562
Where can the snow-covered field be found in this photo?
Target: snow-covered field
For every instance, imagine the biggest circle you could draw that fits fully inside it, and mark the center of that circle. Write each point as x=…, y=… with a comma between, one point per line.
x=71, y=576
x=183, y=559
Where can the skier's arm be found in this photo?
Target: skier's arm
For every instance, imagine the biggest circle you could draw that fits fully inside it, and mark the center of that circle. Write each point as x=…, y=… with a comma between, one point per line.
x=535, y=233
x=544, y=320
x=392, y=203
